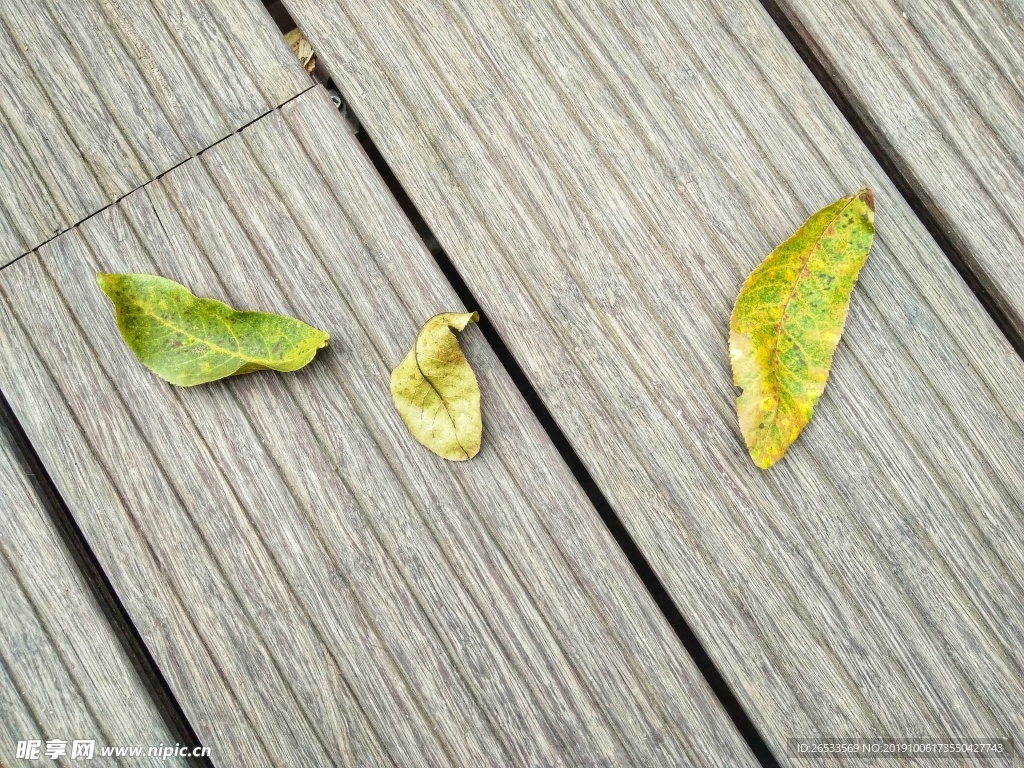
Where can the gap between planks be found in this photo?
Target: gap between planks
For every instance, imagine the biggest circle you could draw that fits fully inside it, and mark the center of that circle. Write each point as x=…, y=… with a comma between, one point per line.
x=74, y=541
x=361, y=55
x=673, y=647
x=634, y=555
x=906, y=184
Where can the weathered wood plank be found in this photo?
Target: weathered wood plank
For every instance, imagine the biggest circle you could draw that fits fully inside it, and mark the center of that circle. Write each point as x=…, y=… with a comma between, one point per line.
x=64, y=670
x=940, y=86
x=340, y=595
x=604, y=175
x=99, y=97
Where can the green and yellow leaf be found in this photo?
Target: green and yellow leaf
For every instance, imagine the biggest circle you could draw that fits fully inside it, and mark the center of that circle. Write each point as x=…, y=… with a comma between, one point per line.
x=436, y=392
x=187, y=340
x=788, y=319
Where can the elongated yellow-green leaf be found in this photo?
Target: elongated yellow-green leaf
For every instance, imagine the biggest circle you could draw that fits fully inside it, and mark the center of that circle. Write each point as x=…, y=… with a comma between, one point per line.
x=436, y=392
x=788, y=319
x=187, y=340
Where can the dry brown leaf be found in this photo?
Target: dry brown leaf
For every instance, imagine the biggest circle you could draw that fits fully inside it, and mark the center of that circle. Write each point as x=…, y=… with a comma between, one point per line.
x=302, y=49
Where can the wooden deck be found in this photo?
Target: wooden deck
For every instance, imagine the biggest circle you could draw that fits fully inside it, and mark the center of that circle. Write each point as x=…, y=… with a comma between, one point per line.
x=269, y=566
x=65, y=661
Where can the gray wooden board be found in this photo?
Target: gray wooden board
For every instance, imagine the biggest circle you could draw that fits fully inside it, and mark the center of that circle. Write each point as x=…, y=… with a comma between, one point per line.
x=64, y=671
x=98, y=97
x=941, y=85
x=604, y=175
x=318, y=588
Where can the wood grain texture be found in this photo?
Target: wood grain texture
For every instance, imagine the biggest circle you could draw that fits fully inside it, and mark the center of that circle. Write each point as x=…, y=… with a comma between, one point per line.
x=604, y=175
x=64, y=670
x=941, y=86
x=319, y=589
x=100, y=96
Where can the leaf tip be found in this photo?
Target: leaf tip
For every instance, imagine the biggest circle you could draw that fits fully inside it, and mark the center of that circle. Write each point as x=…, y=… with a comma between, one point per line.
x=868, y=197
x=463, y=454
x=762, y=460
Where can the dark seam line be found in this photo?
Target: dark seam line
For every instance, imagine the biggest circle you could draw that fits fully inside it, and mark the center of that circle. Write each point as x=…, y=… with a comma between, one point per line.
x=159, y=176
x=913, y=192
x=652, y=583
x=76, y=543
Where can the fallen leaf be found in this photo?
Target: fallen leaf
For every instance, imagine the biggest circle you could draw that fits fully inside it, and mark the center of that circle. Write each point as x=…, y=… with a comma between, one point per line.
x=302, y=49
x=788, y=319
x=436, y=392
x=187, y=340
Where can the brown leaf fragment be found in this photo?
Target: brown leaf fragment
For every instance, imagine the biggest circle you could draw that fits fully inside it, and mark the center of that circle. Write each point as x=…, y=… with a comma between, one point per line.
x=302, y=49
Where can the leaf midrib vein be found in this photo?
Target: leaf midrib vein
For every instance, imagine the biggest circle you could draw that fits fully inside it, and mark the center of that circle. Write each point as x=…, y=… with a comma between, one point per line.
x=455, y=428
x=801, y=276
x=211, y=345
